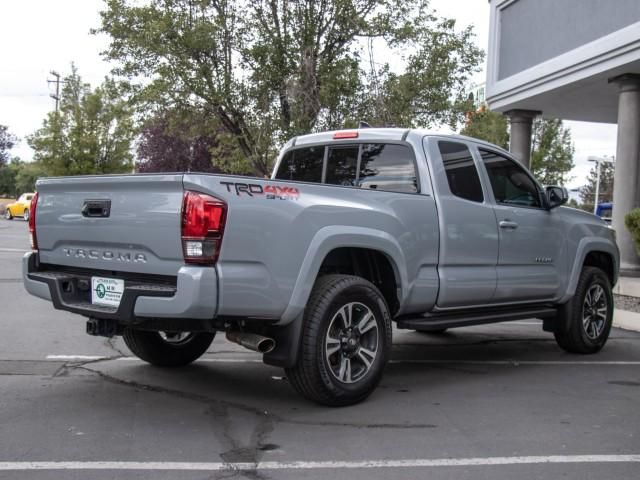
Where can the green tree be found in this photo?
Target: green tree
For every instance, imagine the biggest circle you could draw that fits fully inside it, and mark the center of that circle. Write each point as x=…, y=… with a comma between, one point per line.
x=26, y=176
x=91, y=133
x=489, y=126
x=7, y=142
x=552, y=151
x=7, y=174
x=573, y=203
x=605, y=193
x=271, y=69
x=8, y=180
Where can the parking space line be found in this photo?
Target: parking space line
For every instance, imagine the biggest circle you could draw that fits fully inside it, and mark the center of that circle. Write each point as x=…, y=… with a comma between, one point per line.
x=318, y=465
x=407, y=361
x=19, y=250
x=76, y=357
x=520, y=362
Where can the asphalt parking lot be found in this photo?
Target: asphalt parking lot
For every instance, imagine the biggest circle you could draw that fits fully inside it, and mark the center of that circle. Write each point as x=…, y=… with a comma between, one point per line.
x=490, y=402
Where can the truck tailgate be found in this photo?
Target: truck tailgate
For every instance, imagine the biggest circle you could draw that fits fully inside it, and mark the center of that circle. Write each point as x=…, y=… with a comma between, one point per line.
x=139, y=233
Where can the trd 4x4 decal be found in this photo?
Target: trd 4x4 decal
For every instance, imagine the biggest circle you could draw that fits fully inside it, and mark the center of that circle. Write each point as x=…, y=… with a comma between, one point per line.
x=271, y=192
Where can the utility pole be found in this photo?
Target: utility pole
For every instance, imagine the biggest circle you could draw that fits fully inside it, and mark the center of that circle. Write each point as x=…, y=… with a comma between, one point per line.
x=57, y=81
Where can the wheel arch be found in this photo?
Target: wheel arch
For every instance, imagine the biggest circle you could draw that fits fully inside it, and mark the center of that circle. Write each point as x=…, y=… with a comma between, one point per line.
x=594, y=252
x=335, y=247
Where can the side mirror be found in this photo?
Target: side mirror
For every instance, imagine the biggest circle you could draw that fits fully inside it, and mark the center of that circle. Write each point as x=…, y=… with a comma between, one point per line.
x=556, y=196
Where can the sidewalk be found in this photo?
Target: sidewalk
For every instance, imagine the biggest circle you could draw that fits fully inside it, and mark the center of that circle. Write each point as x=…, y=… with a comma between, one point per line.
x=629, y=286
x=625, y=319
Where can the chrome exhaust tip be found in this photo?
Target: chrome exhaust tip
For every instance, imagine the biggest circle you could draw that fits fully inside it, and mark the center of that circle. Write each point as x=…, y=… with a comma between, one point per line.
x=252, y=341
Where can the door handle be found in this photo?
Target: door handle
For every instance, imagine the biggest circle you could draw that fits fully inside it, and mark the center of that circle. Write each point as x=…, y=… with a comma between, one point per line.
x=96, y=208
x=508, y=224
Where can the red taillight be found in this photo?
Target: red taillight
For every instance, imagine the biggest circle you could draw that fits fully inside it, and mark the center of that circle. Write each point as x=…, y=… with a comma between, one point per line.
x=203, y=219
x=32, y=222
x=345, y=134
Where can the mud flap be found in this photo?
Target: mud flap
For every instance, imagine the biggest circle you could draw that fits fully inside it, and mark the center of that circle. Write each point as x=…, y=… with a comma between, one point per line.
x=560, y=322
x=287, y=338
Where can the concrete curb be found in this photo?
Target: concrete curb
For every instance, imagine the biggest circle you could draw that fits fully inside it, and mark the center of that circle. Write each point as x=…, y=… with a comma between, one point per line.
x=628, y=286
x=626, y=320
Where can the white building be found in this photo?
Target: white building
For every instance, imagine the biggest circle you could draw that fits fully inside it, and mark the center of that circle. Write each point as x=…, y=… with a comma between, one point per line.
x=575, y=60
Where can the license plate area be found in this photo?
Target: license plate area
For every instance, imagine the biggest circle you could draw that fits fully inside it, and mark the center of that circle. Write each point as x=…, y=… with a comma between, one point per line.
x=106, y=291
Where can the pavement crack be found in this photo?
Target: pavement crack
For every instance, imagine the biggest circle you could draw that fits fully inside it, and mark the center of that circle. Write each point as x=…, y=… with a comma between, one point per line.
x=220, y=409
x=110, y=343
x=64, y=370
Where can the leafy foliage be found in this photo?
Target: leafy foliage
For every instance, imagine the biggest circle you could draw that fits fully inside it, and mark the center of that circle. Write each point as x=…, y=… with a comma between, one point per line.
x=487, y=125
x=178, y=142
x=632, y=222
x=605, y=193
x=267, y=70
x=7, y=141
x=91, y=133
x=552, y=151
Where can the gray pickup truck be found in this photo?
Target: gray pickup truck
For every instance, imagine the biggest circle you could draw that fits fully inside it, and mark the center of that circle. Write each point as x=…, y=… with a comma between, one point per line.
x=355, y=230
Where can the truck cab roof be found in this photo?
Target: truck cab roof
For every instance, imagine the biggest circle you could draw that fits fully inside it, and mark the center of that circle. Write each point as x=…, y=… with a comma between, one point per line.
x=378, y=134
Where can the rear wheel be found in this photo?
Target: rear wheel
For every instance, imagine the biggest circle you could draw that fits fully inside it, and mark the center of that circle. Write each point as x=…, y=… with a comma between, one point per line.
x=346, y=341
x=7, y=214
x=588, y=316
x=167, y=349
x=25, y=214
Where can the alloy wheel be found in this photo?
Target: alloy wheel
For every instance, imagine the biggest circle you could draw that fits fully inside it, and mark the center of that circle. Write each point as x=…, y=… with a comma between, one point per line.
x=351, y=343
x=594, y=311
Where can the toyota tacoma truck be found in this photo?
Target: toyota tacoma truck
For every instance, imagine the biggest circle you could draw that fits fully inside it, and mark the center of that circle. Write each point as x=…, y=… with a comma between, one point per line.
x=354, y=230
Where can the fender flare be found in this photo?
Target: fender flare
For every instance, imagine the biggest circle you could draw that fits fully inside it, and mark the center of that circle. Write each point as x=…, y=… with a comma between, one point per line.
x=343, y=236
x=586, y=246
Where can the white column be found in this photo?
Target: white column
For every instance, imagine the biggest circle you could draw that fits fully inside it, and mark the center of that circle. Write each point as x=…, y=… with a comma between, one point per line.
x=521, y=122
x=626, y=193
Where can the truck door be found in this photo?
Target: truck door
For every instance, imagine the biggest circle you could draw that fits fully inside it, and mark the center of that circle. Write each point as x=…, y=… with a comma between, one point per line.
x=531, y=237
x=468, y=231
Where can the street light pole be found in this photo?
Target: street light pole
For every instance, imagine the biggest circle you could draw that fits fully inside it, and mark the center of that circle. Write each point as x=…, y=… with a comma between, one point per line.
x=595, y=204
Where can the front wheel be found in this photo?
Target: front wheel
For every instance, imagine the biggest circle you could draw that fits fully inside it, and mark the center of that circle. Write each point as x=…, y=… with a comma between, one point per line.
x=167, y=349
x=346, y=341
x=587, y=318
x=7, y=214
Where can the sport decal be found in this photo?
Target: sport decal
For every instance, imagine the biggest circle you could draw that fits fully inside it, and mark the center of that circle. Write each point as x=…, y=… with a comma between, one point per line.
x=271, y=192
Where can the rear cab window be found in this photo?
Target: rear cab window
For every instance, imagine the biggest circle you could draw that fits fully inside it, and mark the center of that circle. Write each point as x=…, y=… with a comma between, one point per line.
x=381, y=166
x=462, y=175
x=302, y=165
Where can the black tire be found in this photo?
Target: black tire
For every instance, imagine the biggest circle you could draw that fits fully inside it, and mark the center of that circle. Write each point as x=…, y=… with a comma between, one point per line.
x=577, y=335
x=318, y=374
x=154, y=349
x=7, y=215
x=433, y=332
x=25, y=215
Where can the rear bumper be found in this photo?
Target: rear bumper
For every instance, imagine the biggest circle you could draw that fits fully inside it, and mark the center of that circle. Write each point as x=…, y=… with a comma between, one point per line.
x=194, y=296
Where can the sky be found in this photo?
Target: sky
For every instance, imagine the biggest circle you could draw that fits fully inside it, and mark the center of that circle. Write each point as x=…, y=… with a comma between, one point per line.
x=38, y=36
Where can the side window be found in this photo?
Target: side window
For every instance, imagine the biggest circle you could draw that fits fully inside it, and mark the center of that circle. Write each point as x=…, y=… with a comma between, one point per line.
x=342, y=166
x=462, y=174
x=302, y=164
x=510, y=183
x=388, y=167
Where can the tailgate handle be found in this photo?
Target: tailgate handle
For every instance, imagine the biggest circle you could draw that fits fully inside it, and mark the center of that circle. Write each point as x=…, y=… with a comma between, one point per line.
x=96, y=208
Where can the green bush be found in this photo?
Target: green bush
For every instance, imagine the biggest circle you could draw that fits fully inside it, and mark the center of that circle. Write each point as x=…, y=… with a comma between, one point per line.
x=632, y=222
